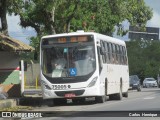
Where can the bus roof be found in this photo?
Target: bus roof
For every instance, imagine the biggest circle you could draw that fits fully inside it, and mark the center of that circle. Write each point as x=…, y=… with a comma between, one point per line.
x=97, y=35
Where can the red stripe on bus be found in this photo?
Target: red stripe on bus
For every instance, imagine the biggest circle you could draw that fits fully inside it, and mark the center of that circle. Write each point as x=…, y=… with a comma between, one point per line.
x=10, y=68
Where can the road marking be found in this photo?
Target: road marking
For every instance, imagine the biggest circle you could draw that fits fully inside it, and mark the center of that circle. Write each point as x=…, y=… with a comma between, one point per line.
x=149, y=98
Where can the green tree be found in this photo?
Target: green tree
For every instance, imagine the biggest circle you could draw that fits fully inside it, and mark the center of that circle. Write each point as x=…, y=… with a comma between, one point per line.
x=102, y=15
x=39, y=14
x=59, y=16
x=8, y=6
x=143, y=58
x=3, y=19
x=135, y=57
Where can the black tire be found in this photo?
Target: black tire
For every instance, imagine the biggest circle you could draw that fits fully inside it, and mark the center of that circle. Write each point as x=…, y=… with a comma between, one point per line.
x=117, y=96
x=75, y=101
x=100, y=99
x=49, y=102
x=125, y=94
x=112, y=97
x=78, y=100
x=59, y=101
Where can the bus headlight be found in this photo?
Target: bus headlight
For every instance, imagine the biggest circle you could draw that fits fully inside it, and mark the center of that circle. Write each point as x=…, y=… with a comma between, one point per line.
x=45, y=85
x=93, y=82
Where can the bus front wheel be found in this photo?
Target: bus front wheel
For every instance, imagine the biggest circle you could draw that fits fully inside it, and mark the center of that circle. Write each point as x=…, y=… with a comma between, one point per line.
x=59, y=101
x=78, y=100
x=100, y=99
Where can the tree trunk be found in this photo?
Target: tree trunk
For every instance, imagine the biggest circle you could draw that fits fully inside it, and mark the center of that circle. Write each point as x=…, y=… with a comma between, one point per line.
x=68, y=27
x=53, y=31
x=3, y=13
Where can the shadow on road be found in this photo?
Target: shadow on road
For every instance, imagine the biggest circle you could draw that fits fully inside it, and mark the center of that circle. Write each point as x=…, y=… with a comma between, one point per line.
x=38, y=102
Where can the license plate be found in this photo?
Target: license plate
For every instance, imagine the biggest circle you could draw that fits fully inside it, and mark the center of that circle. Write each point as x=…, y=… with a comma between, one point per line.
x=69, y=95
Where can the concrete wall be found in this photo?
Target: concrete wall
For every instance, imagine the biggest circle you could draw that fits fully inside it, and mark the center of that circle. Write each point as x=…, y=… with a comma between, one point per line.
x=9, y=60
x=9, y=73
x=9, y=68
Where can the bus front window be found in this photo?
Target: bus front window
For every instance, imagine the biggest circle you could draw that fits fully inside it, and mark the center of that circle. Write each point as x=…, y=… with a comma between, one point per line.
x=68, y=61
x=84, y=60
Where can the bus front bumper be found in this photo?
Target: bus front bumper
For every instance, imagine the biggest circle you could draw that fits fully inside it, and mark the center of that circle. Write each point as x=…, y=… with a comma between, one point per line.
x=72, y=93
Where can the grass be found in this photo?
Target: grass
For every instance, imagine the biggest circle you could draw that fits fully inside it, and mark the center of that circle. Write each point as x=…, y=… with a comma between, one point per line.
x=17, y=108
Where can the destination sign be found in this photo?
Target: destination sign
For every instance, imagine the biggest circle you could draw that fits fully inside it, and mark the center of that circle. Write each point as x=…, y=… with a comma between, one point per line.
x=66, y=39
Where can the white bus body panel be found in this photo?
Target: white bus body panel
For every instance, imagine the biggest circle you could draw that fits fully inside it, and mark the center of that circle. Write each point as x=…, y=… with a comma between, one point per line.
x=88, y=91
x=110, y=72
x=113, y=73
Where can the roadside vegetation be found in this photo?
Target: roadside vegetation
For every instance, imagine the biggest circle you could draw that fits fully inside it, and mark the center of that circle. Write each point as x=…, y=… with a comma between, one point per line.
x=144, y=58
x=17, y=108
x=59, y=16
x=102, y=16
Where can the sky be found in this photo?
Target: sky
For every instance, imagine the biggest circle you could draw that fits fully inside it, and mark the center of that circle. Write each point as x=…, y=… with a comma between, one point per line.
x=17, y=32
x=155, y=21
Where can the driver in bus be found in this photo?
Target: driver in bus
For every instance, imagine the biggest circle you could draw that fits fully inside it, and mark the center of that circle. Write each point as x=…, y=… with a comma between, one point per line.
x=59, y=63
x=58, y=66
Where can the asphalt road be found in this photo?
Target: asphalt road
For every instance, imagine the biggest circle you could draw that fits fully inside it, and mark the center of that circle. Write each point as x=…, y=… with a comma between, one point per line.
x=147, y=101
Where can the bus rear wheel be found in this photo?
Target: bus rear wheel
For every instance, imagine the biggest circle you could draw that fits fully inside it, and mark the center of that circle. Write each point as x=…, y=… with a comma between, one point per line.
x=125, y=94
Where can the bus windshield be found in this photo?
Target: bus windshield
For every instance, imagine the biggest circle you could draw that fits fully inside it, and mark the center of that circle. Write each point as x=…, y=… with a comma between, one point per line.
x=68, y=60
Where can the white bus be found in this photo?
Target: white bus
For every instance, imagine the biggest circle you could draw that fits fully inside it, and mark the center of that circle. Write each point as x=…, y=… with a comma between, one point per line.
x=83, y=64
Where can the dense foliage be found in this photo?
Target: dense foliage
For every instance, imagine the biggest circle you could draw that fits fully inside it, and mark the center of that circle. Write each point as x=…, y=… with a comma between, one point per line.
x=143, y=58
x=59, y=16
x=103, y=16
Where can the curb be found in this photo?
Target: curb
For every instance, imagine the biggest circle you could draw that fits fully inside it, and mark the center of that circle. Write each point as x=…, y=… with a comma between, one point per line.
x=7, y=103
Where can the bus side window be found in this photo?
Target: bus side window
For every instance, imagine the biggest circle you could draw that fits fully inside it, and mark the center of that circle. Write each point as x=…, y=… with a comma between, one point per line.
x=103, y=47
x=99, y=59
x=107, y=52
x=118, y=54
x=114, y=53
x=124, y=55
x=121, y=56
x=110, y=52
